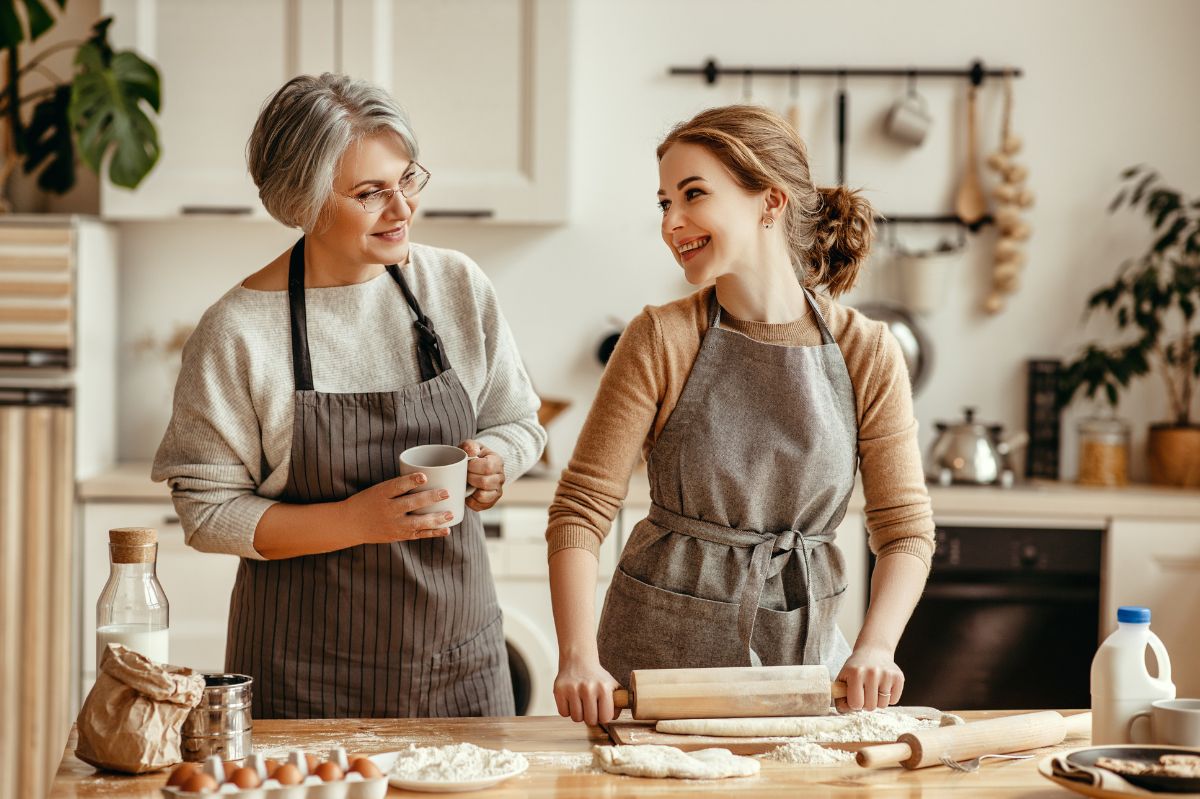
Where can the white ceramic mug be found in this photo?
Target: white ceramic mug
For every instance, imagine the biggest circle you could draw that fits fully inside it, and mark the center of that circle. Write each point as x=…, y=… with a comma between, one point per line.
x=1173, y=722
x=909, y=119
x=446, y=468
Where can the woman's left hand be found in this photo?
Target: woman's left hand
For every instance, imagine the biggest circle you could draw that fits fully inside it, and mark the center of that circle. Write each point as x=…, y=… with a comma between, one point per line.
x=486, y=473
x=873, y=680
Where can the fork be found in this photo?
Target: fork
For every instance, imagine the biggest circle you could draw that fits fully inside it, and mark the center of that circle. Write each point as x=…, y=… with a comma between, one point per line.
x=973, y=763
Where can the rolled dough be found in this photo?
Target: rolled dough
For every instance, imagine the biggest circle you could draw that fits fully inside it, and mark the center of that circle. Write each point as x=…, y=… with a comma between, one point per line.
x=650, y=760
x=780, y=726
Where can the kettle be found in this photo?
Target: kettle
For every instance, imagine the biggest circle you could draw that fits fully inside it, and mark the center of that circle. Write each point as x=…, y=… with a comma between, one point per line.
x=969, y=452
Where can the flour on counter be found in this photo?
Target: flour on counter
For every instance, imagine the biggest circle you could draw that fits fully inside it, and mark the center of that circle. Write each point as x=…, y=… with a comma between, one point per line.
x=873, y=725
x=809, y=754
x=455, y=763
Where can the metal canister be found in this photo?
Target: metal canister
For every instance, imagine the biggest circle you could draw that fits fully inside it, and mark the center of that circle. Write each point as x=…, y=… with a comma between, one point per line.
x=221, y=724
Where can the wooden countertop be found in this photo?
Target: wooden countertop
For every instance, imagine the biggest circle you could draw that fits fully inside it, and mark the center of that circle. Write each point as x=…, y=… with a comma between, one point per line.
x=551, y=740
x=1038, y=499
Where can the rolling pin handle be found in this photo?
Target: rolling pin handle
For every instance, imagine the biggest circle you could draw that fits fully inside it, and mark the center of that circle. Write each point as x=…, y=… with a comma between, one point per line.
x=837, y=689
x=1079, y=724
x=883, y=755
x=621, y=699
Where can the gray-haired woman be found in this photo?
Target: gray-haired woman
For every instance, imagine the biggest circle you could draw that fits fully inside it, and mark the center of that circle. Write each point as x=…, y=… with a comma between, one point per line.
x=299, y=390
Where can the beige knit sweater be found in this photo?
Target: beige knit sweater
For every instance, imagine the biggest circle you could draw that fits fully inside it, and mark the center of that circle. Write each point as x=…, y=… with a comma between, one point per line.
x=647, y=373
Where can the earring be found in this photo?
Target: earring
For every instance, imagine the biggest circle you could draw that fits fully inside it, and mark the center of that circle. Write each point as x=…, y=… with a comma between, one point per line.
x=768, y=222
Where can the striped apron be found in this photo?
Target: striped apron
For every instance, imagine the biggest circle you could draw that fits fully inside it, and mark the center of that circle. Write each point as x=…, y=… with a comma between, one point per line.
x=735, y=564
x=410, y=628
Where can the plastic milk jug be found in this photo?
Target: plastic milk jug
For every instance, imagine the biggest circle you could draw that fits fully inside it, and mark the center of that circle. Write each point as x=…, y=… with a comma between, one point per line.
x=1121, y=683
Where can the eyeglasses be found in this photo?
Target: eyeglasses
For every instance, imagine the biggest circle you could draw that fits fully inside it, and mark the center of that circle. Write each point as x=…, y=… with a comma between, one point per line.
x=410, y=186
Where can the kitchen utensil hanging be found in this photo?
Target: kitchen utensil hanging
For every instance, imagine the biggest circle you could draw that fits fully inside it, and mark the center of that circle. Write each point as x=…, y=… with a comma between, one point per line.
x=970, y=203
x=1012, y=197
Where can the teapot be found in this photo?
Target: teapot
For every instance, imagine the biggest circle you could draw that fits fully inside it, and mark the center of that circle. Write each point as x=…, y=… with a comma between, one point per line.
x=970, y=452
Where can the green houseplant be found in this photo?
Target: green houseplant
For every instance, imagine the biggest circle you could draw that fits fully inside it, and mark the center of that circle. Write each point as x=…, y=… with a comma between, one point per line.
x=98, y=114
x=1155, y=300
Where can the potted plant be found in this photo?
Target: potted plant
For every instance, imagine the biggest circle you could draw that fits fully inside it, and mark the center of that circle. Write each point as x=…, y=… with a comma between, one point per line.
x=1155, y=298
x=98, y=113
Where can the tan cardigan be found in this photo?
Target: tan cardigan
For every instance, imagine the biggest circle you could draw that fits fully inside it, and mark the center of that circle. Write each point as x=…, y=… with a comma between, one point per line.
x=647, y=373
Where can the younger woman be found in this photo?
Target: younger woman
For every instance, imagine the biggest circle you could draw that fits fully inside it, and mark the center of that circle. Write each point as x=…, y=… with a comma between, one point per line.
x=754, y=402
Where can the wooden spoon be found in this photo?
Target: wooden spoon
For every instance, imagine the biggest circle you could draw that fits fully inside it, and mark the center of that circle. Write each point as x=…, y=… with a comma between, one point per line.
x=971, y=204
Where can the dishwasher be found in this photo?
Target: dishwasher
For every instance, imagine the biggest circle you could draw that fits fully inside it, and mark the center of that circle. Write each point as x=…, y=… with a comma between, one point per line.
x=1010, y=619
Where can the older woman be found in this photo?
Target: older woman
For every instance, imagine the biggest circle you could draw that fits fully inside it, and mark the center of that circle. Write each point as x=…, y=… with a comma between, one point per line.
x=299, y=390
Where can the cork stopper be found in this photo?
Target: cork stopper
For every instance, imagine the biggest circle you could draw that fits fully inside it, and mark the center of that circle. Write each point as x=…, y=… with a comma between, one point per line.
x=133, y=544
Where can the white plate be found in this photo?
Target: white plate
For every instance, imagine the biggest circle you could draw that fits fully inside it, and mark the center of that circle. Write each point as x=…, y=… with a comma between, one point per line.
x=429, y=786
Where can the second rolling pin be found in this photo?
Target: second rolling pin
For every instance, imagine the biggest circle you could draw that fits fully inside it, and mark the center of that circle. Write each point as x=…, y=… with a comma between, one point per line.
x=991, y=736
x=734, y=692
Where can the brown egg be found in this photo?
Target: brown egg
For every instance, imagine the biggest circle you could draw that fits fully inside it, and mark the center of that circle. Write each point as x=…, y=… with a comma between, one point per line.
x=181, y=773
x=199, y=783
x=328, y=772
x=270, y=766
x=366, y=768
x=287, y=774
x=244, y=777
x=313, y=761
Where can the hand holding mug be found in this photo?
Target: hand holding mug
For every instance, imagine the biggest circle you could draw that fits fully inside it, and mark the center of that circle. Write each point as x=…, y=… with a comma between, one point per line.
x=485, y=474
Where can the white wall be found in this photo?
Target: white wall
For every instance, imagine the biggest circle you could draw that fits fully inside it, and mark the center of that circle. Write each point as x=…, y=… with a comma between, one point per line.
x=1108, y=83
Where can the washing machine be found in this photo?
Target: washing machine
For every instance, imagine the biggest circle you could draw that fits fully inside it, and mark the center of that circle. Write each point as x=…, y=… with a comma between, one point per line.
x=516, y=542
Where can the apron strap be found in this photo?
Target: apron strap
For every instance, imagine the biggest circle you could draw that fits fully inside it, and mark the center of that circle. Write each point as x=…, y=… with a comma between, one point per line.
x=714, y=315
x=431, y=353
x=763, y=564
x=301, y=363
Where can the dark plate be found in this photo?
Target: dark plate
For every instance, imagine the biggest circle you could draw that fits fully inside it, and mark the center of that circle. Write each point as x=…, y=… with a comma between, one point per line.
x=1146, y=754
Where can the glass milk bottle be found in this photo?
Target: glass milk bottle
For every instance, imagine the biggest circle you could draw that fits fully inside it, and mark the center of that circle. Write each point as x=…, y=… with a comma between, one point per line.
x=1122, y=686
x=132, y=609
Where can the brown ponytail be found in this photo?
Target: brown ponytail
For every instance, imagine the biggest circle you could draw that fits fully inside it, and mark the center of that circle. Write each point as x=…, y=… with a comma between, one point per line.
x=843, y=239
x=828, y=231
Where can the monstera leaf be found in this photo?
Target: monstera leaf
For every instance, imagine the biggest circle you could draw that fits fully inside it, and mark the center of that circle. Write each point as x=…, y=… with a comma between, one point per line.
x=48, y=139
x=12, y=31
x=106, y=110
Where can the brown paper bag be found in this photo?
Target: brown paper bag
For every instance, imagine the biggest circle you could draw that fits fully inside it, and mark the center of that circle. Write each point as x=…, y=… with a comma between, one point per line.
x=131, y=719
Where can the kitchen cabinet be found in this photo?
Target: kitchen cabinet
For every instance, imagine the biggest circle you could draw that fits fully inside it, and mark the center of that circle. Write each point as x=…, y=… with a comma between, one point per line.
x=197, y=584
x=485, y=84
x=483, y=80
x=1156, y=564
x=219, y=61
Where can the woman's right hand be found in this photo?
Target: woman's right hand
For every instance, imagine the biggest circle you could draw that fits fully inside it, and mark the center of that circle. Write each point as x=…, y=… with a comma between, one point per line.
x=583, y=690
x=386, y=512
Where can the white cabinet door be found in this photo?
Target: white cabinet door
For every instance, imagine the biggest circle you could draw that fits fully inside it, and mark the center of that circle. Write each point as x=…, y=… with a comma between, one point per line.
x=1157, y=565
x=852, y=540
x=219, y=61
x=485, y=84
x=197, y=585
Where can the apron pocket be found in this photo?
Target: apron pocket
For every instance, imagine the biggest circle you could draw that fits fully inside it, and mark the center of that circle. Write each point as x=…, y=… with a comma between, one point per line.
x=779, y=634
x=471, y=678
x=646, y=627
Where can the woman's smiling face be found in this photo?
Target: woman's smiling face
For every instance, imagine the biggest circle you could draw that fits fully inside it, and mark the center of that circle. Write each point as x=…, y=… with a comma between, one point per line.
x=710, y=223
x=382, y=237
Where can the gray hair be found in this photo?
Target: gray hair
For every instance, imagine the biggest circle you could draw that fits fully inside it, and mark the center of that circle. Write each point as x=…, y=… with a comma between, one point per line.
x=303, y=131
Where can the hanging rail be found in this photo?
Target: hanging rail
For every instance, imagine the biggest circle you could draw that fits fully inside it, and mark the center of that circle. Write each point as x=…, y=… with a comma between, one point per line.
x=975, y=73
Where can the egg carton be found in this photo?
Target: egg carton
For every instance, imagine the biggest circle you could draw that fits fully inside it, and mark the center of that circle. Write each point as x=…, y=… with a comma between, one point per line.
x=351, y=786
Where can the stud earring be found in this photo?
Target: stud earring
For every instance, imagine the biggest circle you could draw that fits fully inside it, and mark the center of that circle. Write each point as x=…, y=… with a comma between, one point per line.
x=768, y=222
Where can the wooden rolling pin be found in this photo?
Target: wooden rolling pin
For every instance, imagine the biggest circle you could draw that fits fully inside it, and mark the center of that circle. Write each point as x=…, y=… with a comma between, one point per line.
x=737, y=692
x=992, y=736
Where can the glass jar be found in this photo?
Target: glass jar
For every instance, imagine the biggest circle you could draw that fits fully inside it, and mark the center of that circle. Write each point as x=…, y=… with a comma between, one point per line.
x=1103, y=451
x=132, y=609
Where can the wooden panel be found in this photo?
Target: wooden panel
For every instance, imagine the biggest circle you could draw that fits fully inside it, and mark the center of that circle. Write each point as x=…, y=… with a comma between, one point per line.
x=61, y=586
x=35, y=620
x=49, y=314
x=12, y=447
x=36, y=236
x=10, y=262
x=19, y=338
x=34, y=288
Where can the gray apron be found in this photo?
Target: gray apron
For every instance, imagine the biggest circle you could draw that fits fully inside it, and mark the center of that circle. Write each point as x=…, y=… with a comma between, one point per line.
x=735, y=564
x=409, y=628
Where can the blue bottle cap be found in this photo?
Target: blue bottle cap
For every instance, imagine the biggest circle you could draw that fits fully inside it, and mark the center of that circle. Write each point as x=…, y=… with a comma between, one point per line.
x=1133, y=615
